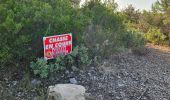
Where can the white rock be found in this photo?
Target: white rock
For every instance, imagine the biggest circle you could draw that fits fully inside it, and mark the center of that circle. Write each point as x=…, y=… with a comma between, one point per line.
x=66, y=92
x=73, y=81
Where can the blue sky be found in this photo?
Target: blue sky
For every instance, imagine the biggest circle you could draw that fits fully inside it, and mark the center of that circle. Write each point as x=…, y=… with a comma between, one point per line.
x=139, y=4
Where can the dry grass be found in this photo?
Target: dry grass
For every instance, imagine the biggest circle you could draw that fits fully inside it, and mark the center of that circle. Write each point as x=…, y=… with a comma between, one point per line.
x=159, y=47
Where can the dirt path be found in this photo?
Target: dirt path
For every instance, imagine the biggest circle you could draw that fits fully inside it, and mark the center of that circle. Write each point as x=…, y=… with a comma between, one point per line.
x=130, y=77
x=160, y=51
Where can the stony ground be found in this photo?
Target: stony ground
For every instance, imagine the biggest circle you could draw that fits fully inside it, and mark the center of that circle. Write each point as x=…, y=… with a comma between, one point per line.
x=122, y=77
x=130, y=77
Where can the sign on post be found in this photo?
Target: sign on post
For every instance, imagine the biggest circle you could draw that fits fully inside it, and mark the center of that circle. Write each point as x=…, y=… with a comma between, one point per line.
x=55, y=46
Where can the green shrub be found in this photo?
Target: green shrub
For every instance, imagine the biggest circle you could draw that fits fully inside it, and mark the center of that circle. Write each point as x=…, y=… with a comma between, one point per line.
x=57, y=65
x=79, y=55
x=24, y=23
x=77, y=58
x=132, y=39
x=5, y=54
x=40, y=67
x=101, y=42
x=107, y=33
x=155, y=36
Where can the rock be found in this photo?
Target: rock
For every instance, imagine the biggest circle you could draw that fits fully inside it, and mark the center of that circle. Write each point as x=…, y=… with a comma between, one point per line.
x=35, y=82
x=120, y=83
x=67, y=72
x=117, y=97
x=100, y=96
x=14, y=83
x=66, y=92
x=73, y=81
x=89, y=74
x=144, y=98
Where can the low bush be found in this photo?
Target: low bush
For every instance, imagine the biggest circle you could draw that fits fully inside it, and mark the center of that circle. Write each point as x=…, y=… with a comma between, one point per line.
x=40, y=67
x=77, y=58
x=133, y=39
x=99, y=41
x=155, y=36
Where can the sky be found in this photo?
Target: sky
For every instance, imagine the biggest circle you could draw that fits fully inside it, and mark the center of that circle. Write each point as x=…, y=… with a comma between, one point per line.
x=138, y=4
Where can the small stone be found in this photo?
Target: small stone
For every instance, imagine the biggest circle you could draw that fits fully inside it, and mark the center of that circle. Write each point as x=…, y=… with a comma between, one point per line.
x=144, y=98
x=100, y=96
x=89, y=74
x=118, y=76
x=120, y=83
x=35, y=82
x=6, y=79
x=117, y=97
x=67, y=72
x=73, y=81
x=14, y=83
x=122, y=94
x=94, y=77
x=92, y=68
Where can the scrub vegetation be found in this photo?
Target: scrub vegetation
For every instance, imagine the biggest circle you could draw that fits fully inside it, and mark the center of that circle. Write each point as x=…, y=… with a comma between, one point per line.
x=98, y=28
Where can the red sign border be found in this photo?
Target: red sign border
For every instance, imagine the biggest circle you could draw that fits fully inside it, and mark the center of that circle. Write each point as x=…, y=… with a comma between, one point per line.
x=54, y=36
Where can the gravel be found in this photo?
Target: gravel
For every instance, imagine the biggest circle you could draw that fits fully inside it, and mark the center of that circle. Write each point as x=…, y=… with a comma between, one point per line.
x=124, y=76
x=129, y=77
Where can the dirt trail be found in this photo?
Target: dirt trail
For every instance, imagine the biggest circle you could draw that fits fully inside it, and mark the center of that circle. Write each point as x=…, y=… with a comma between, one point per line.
x=160, y=51
x=130, y=77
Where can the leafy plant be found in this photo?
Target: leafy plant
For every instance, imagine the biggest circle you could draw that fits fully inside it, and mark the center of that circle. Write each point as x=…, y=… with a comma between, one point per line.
x=77, y=58
x=59, y=64
x=40, y=67
x=134, y=39
x=155, y=36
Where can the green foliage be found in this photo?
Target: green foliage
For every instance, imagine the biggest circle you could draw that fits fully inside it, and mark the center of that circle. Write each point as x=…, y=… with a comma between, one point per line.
x=24, y=23
x=155, y=36
x=77, y=58
x=158, y=22
x=97, y=25
x=100, y=42
x=4, y=55
x=101, y=35
x=131, y=14
x=40, y=67
x=103, y=16
x=58, y=65
x=146, y=21
x=162, y=5
x=134, y=39
x=79, y=55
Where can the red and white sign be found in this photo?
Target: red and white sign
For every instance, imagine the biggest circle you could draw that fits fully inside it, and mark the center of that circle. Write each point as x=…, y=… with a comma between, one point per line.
x=57, y=45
